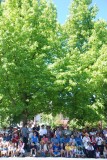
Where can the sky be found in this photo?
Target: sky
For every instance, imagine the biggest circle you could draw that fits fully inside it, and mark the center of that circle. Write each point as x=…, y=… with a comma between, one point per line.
x=63, y=9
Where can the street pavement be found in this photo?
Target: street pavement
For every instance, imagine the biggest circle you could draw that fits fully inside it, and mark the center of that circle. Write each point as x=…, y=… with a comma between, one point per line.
x=47, y=158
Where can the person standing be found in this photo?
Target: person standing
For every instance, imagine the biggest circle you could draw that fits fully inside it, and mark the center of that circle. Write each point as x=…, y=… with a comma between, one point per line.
x=42, y=131
x=25, y=135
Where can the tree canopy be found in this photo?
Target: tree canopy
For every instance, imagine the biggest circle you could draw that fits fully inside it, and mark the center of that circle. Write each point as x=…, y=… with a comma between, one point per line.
x=48, y=67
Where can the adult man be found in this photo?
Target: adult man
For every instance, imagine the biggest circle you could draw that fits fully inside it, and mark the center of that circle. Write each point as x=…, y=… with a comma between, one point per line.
x=42, y=131
x=86, y=140
x=25, y=134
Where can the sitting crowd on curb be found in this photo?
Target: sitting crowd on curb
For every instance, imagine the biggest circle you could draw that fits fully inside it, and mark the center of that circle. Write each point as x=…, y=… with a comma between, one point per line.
x=43, y=141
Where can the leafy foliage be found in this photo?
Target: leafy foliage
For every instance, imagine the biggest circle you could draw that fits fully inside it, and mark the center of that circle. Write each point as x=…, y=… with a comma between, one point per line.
x=52, y=68
x=27, y=38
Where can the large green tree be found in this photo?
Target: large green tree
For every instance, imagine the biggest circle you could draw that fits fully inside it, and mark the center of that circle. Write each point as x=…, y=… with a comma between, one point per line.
x=47, y=67
x=28, y=43
x=73, y=71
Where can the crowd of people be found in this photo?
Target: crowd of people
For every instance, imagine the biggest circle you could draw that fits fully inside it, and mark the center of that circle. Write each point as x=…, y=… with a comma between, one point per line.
x=44, y=141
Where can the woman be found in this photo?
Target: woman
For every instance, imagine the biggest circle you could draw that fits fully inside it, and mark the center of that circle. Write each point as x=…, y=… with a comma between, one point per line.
x=21, y=150
x=43, y=150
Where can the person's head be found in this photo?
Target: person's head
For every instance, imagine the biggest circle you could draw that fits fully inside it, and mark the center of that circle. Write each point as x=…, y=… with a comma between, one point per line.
x=86, y=135
x=58, y=128
x=97, y=134
x=20, y=140
x=44, y=136
x=25, y=125
x=67, y=144
x=73, y=144
x=78, y=135
x=54, y=136
x=57, y=144
x=72, y=136
x=42, y=126
x=34, y=134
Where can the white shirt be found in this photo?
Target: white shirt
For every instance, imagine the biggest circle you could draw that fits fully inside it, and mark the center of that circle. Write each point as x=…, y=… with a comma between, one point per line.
x=85, y=141
x=30, y=135
x=42, y=131
x=92, y=133
x=90, y=148
x=98, y=140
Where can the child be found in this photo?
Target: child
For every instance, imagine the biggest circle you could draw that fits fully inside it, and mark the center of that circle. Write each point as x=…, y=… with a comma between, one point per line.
x=50, y=148
x=43, y=148
x=78, y=152
x=68, y=150
x=10, y=149
x=21, y=150
x=56, y=152
x=4, y=151
x=73, y=149
x=33, y=149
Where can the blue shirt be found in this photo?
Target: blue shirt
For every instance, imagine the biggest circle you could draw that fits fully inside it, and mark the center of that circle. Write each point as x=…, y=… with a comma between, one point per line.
x=66, y=140
x=56, y=148
x=54, y=140
x=78, y=141
x=34, y=139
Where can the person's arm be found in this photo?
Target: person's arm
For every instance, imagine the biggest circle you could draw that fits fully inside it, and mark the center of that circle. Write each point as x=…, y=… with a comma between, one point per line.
x=83, y=140
x=51, y=140
x=23, y=146
x=40, y=131
x=37, y=140
x=45, y=131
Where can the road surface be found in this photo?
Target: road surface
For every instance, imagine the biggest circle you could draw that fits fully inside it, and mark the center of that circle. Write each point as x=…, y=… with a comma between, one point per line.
x=46, y=158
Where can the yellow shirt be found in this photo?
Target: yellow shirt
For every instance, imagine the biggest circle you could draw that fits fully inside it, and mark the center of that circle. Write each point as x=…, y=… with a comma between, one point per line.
x=73, y=147
x=68, y=148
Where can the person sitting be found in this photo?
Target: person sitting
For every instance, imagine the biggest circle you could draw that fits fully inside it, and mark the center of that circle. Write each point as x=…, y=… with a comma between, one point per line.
x=78, y=141
x=11, y=148
x=56, y=150
x=72, y=139
x=50, y=149
x=4, y=151
x=90, y=150
x=35, y=140
x=43, y=150
x=66, y=139
x=15, y=138
x=68, y=150
x=79, y=153
x=73, y=149
x=45, y=139
x=6, y=137
x=55, y=140
x=42, y=131
x=33, y=149
x=20, y=149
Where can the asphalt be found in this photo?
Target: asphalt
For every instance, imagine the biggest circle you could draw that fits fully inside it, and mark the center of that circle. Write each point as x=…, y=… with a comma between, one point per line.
x=47, y=158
